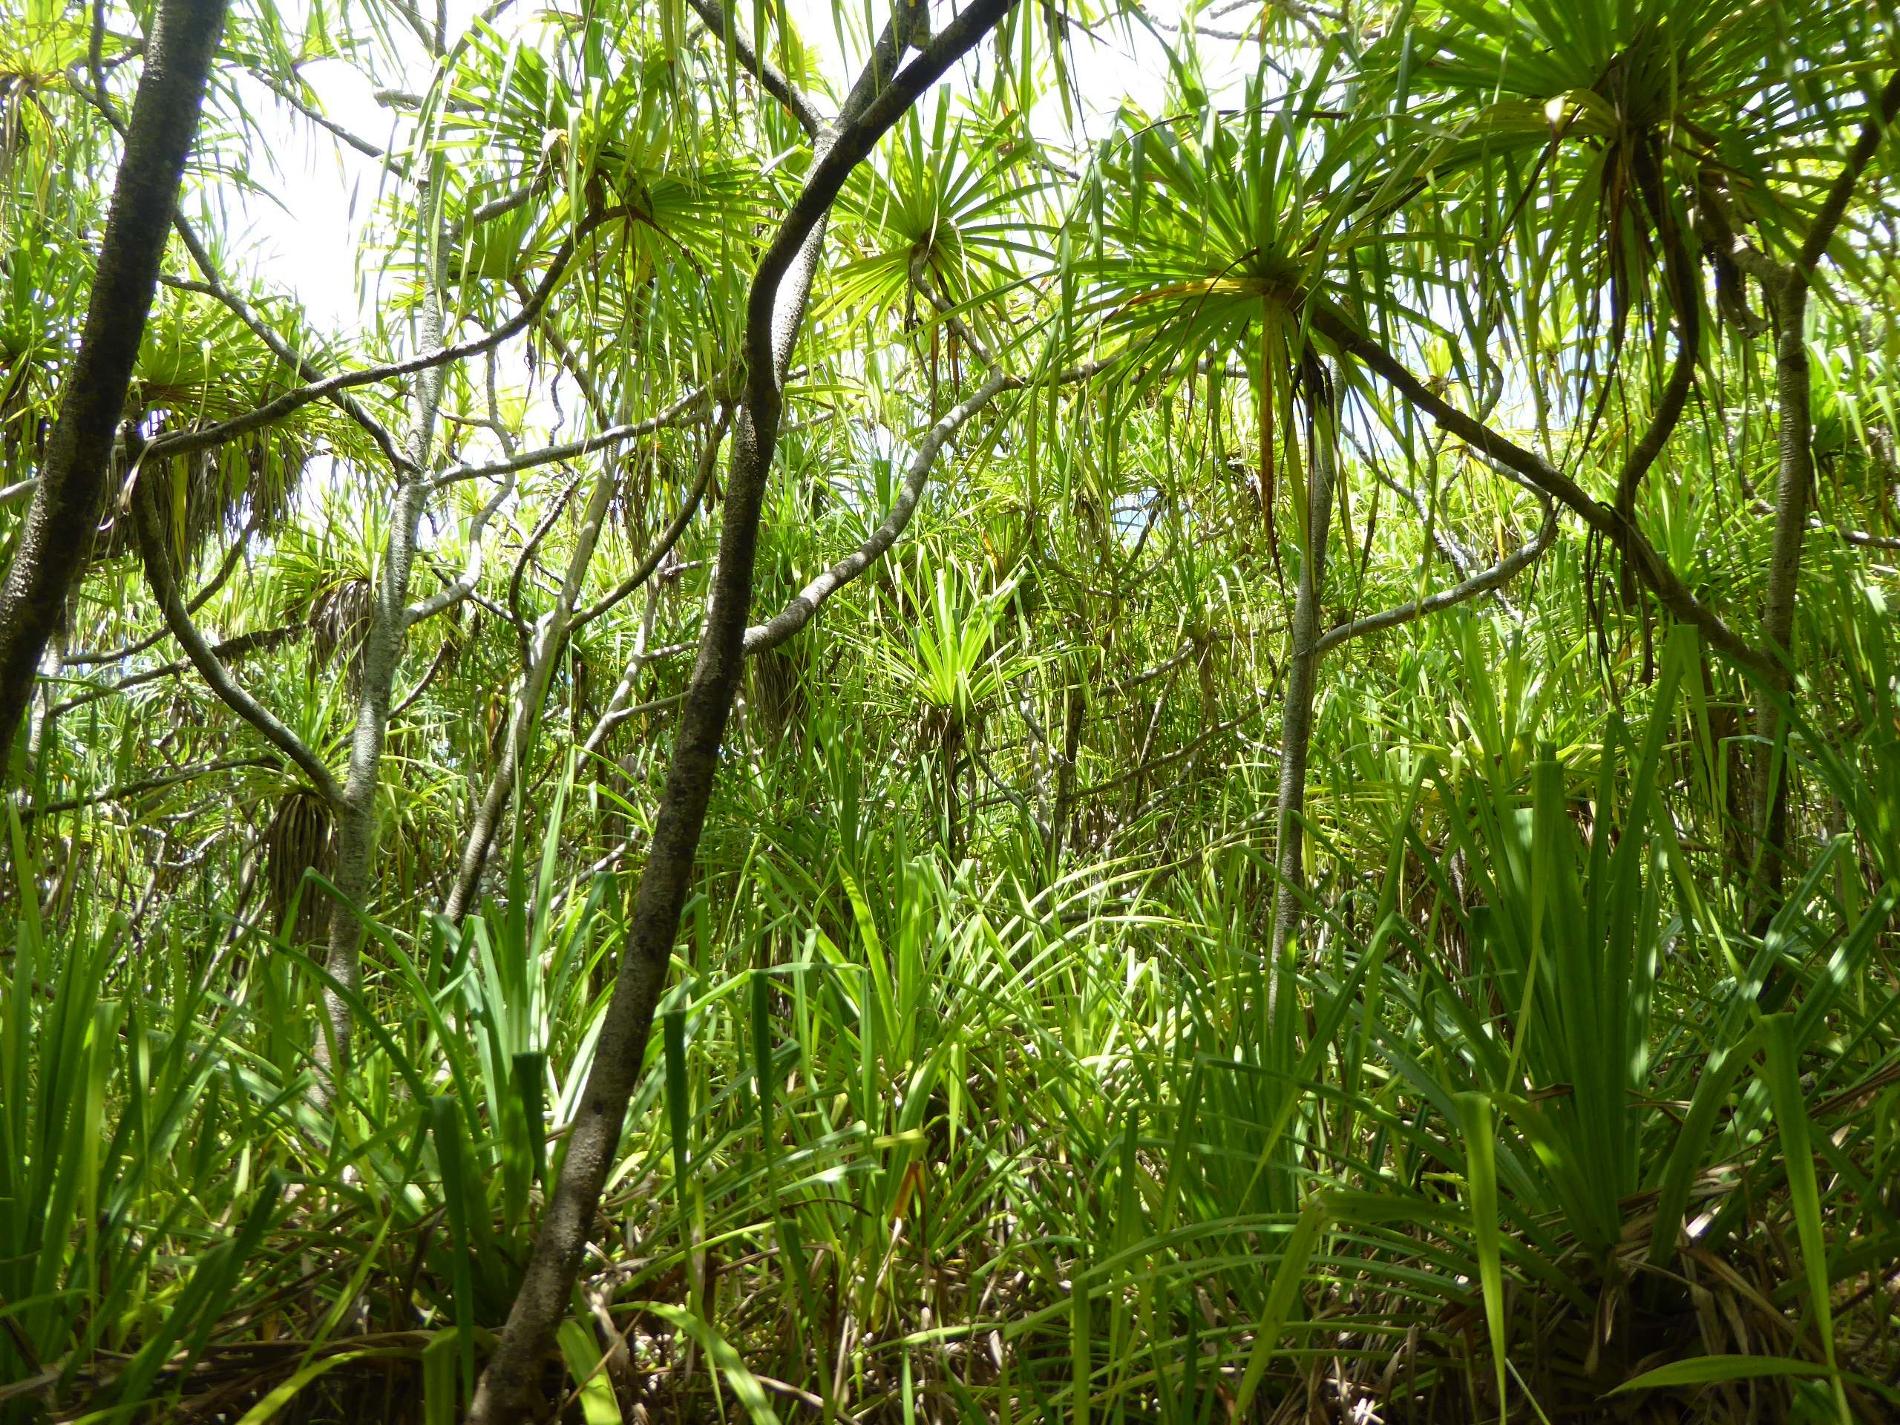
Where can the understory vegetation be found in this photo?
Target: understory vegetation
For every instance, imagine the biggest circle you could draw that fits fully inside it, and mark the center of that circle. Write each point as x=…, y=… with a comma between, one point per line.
x=884, y=736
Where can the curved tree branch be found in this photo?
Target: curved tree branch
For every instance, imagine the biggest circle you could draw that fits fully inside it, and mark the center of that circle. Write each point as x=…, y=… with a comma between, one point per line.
x=226, y=567
x=464, y=583
x=1685, y=290
x=799, y=612
x=714, y=16
x=323, y=121
x=1654, y=572
x=806, y=603
x=1494, y=577
x=152, y=552
x=236, y=646
x=674, y=414
x=1827, y=219
x=669, y=537
x=143, y=785
x=619, y=709
x=181, y=442
x=211, y=285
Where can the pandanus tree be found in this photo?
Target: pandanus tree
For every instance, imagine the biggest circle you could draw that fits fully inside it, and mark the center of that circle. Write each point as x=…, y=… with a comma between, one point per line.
x=478, y=276
x=779, y=289
x=1634, y=145
x=1222, y=230
x=666, y=285
x=1607, y=140
x=673, y=344
x=1224, y=236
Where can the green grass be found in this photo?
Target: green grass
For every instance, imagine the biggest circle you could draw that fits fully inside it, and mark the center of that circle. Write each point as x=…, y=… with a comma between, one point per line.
x=922, y=1140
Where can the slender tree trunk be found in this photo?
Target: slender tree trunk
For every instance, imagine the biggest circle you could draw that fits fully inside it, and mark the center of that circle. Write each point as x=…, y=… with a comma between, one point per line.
x=617, y=709
x=382, y=654
x=532, y=691
x=1787, y=288
x=57, y=536
x=775, y=310
x=949, y=746
x=546, y=650
x=509, y=1387
x=621, y=705
x=1794, y=479
x=1301, y=684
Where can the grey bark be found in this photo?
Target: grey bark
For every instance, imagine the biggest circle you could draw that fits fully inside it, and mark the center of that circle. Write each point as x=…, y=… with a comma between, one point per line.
x=1296, y=733
x=1788, y=289
x=1483, y=581
x=355, y=830
x=805, y=604
x=681, y=410
x=509, y=1386
x=549, y=639
x=57, y=535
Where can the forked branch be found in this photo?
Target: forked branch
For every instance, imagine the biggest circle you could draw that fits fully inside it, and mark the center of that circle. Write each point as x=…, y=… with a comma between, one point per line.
x=509, y=1388
x=1650, y=567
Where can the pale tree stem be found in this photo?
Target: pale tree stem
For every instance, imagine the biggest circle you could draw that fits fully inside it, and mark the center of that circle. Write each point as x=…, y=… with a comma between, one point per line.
x=1483, y=581
x=620, y=704
x=1794, y=477
x=382, y=655
x=1296, y=733
x=805, y=605
x=1789, y=287
x=550, y=638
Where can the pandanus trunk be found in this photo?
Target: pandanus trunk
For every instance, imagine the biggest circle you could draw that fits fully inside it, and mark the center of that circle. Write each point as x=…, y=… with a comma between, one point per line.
x=549, y=640
x=1794, y=477
x=509, y=1386
x=774, y=314
x=57, y=536
x=1296, y=733
x=1788, y=288
x=382, y=655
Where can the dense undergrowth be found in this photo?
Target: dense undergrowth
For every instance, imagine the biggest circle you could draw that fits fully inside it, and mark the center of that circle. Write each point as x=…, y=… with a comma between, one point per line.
x=924, y=1139
x=1308, y=829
